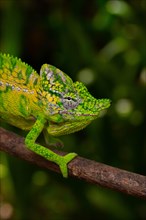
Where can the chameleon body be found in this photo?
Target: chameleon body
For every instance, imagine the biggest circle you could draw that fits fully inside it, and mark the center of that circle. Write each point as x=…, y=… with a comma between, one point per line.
x=49, y=101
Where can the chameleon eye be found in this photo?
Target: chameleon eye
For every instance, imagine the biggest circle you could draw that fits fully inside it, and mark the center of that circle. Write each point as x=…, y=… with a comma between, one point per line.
x=69, y=103
x=69, y=98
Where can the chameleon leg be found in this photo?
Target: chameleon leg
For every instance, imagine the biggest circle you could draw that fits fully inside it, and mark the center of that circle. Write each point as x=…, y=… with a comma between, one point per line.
x=30, y=139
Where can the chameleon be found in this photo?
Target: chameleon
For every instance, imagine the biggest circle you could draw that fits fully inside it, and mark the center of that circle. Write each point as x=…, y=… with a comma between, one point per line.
x=49, y=102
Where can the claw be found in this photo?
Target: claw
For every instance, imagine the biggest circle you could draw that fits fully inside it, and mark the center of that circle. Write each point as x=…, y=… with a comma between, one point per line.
x=63, y=164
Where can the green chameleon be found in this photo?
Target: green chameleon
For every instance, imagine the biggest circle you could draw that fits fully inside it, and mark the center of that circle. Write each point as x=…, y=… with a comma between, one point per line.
x=48, y=102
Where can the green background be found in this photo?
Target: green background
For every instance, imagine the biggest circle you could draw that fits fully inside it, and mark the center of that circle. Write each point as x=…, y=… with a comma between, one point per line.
x=103, y=44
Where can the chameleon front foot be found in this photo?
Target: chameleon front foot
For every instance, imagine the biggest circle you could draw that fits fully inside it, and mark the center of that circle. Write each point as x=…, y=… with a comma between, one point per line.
x=63, y=161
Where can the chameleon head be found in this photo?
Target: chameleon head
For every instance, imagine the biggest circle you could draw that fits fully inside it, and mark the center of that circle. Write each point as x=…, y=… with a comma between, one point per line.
x=68, y=106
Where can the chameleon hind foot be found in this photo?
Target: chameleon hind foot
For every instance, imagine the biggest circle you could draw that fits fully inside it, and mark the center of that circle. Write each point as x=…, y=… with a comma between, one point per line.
x=63, y=161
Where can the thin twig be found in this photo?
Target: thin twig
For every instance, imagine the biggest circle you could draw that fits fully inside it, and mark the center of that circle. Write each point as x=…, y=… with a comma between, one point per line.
x=81, y=168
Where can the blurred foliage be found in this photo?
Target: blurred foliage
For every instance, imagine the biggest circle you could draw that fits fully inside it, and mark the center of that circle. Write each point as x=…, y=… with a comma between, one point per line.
x=103, y=44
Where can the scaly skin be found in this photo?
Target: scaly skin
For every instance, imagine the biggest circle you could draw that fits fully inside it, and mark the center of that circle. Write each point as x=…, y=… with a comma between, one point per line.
x=50, y=102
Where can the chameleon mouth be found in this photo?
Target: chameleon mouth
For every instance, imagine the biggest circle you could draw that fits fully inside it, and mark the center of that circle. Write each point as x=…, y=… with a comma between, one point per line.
x=77, y=114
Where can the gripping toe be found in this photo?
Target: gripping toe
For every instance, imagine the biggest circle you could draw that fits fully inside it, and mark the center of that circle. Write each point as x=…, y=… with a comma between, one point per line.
x=65, y=160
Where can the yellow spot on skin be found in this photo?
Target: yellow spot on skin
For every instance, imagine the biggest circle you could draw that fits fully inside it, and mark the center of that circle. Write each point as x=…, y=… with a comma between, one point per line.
x=53, y=103
x=4, y=76
x=57, y=84
x=35, y=99
x=23, y=74
x=43, y=94
x=11, y=78
x=55, y=99
x=50, y=99
x=19, y=81
x=48, y=96
x=14, y=74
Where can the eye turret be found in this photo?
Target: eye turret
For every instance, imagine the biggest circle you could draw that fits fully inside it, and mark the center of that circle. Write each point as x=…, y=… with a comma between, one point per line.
x=69, y=102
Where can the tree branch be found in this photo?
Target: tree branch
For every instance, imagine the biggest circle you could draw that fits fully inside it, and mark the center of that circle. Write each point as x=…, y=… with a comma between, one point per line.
x=81, y=168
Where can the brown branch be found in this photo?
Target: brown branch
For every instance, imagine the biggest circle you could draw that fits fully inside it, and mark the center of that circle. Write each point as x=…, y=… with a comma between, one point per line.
x=81, y=168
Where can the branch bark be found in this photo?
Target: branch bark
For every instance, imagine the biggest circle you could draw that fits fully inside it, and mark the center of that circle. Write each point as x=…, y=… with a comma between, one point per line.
x=81, y=168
